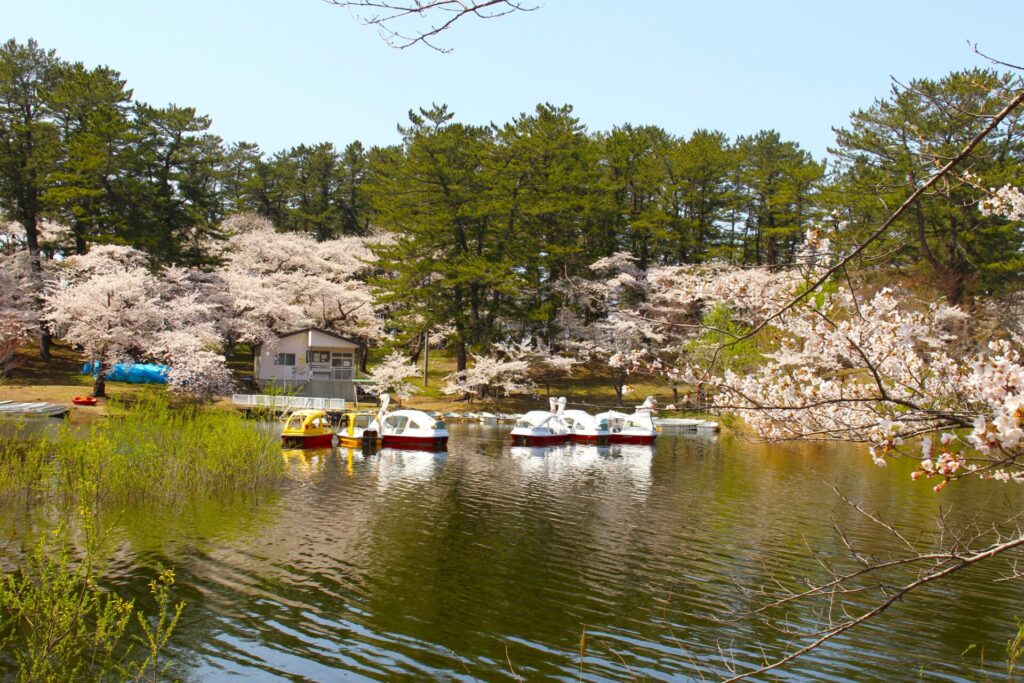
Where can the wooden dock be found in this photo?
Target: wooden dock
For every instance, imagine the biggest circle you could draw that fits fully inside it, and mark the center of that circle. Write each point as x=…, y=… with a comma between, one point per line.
x=40, y=408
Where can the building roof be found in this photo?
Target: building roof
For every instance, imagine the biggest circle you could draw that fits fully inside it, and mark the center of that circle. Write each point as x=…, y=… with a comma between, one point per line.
x=304, y=330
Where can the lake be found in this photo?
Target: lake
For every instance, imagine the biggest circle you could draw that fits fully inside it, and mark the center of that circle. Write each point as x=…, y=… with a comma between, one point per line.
x=572, y=563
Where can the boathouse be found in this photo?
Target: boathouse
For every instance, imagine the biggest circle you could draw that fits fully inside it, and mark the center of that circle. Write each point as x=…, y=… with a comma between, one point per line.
x=309, y=362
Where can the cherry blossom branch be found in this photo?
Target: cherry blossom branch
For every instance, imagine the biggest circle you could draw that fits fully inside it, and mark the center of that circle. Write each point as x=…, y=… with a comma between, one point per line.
x=884, y=227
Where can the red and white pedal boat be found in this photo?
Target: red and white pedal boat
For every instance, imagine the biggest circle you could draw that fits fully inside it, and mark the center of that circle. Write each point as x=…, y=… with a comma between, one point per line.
x=585, y=428
x=541, y=427
x=410, y=429
x=637, y=428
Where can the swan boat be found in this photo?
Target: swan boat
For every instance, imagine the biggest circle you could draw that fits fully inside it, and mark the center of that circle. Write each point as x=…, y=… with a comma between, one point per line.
x=412, y=429
x=541, y=427
x=638, y=428
x=585, y=428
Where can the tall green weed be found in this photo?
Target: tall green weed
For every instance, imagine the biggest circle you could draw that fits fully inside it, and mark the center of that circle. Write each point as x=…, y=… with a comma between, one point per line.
x=146, y=452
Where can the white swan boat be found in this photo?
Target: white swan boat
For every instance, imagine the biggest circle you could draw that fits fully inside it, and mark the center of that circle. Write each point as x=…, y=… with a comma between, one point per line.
x=585, y=428
x=541, y=427
x=410, y=429
x=638, y=428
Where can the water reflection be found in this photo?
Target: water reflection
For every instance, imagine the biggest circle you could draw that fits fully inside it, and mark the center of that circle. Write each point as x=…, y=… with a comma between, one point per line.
x=617, y=464
x=399, y=467
x=409, y=565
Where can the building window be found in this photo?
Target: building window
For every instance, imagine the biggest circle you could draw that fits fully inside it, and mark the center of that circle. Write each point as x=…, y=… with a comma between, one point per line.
x=318, y=356
x=284, y=359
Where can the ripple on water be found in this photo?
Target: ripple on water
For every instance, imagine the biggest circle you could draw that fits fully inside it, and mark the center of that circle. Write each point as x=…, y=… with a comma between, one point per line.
x=493, y=563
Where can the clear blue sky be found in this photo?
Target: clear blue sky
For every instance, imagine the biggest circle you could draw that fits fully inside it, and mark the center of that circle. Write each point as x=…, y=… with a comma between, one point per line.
x=284, y=72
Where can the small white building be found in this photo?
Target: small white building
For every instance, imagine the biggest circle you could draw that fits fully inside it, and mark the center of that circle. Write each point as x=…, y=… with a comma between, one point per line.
x=311, y=361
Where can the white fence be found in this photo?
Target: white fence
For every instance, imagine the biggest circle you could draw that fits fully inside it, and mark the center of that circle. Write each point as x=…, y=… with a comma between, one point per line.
x=287, y=402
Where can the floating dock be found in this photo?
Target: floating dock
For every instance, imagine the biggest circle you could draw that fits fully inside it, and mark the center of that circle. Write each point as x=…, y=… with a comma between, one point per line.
x=687, y=424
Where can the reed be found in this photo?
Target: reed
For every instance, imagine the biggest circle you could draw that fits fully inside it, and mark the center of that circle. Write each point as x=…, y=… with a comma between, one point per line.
x=147, y=452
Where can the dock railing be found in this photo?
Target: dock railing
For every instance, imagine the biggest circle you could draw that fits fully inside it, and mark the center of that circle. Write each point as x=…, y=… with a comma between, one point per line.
x=287, y=402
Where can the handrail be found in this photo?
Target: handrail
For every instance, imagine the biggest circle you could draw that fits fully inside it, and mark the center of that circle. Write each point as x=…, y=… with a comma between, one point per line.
x=288, y=402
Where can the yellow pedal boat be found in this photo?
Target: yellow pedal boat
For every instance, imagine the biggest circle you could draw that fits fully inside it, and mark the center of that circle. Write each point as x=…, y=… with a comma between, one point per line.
x=359, y=429
x=307, y=429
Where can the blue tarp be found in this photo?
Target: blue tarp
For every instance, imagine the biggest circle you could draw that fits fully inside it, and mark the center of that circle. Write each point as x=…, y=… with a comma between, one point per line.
x=134, y=373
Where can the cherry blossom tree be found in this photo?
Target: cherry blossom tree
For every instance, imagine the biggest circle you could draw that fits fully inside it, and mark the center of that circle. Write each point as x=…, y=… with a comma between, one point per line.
x=17, y=321
x=389, y=376
x=271, y=282
x=504, y=372
x=24, y=283
x=841, y=359
x=603, y=327
x=115, y=309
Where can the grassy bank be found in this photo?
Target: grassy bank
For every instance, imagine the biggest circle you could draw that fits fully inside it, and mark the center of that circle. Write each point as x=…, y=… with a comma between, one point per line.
x=60, y=379
x=584, y=389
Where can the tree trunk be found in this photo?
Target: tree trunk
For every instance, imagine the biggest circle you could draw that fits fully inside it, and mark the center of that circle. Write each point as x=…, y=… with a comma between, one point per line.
x=45, y=340
x=955, y=286
x=99, y=385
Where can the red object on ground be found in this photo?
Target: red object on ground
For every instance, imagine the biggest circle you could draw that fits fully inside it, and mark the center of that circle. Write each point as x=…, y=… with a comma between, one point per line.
x=84, y=401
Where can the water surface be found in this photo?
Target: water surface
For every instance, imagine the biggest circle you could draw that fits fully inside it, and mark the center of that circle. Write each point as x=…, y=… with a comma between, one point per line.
x=496, y=563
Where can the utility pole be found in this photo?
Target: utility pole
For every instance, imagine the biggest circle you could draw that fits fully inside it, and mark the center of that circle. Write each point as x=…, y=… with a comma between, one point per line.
x=426, y=354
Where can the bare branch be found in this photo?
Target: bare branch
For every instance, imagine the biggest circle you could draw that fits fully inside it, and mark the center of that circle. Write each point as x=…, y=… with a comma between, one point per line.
x=440, y=15
x=947, y=563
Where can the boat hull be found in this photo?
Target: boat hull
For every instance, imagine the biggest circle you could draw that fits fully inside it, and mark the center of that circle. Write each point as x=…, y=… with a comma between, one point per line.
x=416, y=443
x=307, y=441
x=538, y=439
x=357, y=441
x=641, y=439
x=599, y=439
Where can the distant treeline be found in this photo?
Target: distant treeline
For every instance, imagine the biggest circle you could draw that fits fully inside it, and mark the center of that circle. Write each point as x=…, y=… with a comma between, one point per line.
x=539, y=196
